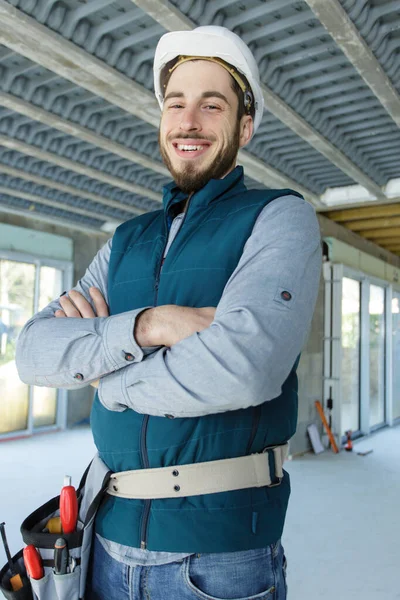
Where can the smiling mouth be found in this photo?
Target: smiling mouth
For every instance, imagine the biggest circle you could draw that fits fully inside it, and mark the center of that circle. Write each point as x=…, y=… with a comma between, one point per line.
x=190, y=150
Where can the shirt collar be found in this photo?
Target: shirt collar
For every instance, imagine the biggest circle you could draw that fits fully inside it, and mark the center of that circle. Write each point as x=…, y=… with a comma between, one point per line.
x=209, y=193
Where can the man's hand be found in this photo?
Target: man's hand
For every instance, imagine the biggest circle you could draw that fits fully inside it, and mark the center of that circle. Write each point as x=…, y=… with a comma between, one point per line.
x=75, y=305
x=169, y=324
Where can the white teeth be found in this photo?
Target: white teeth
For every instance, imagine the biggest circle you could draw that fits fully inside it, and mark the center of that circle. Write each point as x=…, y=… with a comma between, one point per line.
x=183, y=147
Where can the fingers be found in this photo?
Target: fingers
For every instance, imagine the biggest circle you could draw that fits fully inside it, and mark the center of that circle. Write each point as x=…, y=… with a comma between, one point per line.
x=99, y=302
x=69, y=309
x=81, y=304
x=75, y=305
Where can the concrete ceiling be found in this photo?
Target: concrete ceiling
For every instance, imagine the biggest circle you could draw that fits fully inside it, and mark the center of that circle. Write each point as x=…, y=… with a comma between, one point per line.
x=78, y=117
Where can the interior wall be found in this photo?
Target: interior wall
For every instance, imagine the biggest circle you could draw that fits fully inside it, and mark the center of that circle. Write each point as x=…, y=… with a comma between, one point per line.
x=310, y=376
x=310, y=371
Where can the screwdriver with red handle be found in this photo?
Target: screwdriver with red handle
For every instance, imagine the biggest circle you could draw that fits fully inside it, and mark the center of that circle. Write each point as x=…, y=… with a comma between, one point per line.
x=33, y=562
x=68, y=506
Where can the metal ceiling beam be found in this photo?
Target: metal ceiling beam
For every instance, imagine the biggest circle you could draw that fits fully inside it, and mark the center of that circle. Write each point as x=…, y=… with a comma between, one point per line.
x=52, y=120
x=296, y=123
x=67, y=189
x=54, y=204
x=166, y=14
x=82, y=169
x=340, y=27
x=262, y=172
x=47, y=219
x=20, y=32
x=47, y=118
x=176, y=20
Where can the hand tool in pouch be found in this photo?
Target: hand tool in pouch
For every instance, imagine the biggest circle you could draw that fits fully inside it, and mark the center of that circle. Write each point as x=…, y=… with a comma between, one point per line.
x=68, y=506
x=15, y=579
x=53, y=525
x=61, y=557
x=33, y=562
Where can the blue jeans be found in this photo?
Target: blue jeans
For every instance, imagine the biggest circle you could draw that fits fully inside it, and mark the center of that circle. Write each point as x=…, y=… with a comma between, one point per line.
x=251, y=575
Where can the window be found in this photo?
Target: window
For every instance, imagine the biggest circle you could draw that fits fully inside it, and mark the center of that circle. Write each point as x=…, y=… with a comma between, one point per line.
x=26, y=285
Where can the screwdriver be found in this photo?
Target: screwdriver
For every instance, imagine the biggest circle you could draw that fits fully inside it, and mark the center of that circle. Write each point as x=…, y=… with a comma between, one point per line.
x=33, y=562
x=60, y=557
x=15, y=579
x=68, y=506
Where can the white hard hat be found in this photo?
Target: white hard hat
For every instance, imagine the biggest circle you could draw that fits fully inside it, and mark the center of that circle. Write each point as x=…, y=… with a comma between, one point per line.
x=210, y=41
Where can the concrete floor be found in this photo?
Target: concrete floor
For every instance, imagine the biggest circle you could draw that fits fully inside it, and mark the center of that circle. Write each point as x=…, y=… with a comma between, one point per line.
x=342, y=536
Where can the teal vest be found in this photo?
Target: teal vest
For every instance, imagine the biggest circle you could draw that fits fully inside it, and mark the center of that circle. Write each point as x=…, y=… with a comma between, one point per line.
x=207, y=249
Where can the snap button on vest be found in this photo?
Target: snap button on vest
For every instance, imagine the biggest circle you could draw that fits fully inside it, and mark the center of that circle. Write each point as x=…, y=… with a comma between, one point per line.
x=129, y=357
x=78, y=376
x=286, y=295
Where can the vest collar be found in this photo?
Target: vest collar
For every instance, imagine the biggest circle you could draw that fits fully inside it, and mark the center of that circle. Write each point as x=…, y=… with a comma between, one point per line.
x=209, y=193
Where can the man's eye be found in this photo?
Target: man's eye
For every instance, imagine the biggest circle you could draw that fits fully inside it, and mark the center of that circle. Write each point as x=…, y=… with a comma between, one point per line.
x=175, y=106
x=211, y=107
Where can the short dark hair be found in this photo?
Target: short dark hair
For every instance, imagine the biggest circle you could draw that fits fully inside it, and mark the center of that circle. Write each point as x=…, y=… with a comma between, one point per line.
x=240, y=96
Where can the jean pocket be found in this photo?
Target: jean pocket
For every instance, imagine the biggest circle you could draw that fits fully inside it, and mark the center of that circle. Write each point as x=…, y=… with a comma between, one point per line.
x=245, y=575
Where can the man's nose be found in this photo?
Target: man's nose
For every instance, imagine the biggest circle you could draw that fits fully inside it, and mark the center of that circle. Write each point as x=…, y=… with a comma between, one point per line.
x=190, y=120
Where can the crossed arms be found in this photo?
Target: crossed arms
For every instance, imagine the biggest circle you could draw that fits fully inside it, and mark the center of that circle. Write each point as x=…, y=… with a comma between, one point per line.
x=159, y=326
x=240, y=357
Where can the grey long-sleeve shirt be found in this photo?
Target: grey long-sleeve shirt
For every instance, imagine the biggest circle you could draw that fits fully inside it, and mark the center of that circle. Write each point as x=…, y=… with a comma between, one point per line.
x=241, y=360
x=255, y=335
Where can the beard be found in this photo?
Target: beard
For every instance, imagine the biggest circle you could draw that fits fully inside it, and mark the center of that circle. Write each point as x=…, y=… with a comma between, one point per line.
x=191, y=178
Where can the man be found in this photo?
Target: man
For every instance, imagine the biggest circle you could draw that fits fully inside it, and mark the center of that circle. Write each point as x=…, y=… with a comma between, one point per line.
x=210, y=303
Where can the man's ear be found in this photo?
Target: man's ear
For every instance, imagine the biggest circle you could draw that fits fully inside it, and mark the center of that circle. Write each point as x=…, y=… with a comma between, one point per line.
x=246, y=130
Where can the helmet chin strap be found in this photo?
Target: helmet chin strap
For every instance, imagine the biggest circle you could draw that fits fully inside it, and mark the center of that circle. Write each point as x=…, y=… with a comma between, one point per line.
x=248, y=95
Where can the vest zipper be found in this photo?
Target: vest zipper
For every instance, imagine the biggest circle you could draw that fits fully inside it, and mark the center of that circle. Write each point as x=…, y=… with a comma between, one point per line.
x=143, y=448
x=256, y=422
x=157, y=283
x=146, y=465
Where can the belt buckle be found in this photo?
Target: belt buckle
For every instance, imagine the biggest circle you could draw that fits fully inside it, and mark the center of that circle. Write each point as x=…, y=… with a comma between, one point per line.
x=280, y=479
x=277, y=484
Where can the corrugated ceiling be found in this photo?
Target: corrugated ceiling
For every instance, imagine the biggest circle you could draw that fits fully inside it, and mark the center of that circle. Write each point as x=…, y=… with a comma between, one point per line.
x=78, y=148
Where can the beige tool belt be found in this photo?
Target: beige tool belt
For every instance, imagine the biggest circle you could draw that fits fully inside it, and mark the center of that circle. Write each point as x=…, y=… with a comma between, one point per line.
x=200, y=478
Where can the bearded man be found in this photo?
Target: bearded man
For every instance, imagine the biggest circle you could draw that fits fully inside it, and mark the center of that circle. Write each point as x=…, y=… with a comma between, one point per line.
x=194, y=317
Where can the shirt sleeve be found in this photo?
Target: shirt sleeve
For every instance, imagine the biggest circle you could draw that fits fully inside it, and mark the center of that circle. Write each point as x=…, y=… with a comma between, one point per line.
x=261, y=324
x=70, y=353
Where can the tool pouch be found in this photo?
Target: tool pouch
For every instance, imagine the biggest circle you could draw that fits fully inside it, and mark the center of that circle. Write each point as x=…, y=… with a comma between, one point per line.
x=5, y=586
x=70, y=586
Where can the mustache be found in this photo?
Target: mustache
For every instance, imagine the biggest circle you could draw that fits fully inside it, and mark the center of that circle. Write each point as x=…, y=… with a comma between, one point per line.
x=190, y=137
